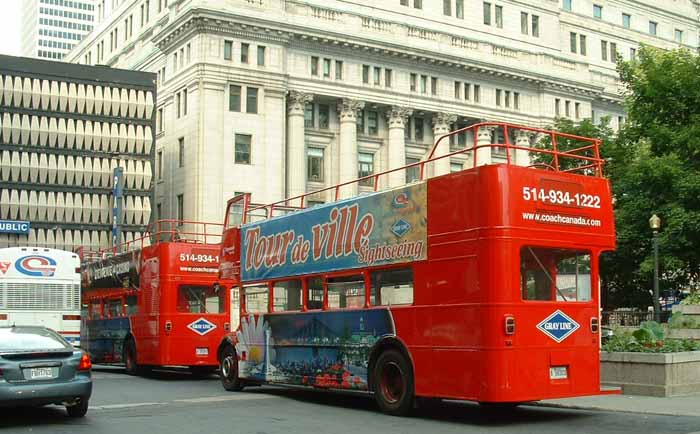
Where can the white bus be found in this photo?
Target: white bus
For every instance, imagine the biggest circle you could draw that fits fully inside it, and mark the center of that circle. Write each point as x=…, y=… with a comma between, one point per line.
x=40, y=286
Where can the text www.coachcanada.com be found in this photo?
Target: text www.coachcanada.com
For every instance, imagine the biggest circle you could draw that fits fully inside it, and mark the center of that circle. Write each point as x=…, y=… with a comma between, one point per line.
x=562, y=219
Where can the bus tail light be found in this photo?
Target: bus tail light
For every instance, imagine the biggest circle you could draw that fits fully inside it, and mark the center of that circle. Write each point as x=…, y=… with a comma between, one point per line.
x=85, y=363
x=594, y=325
x=227, y=327
x=510, y=324
x=71, y=317
x=3, y=316
x=168, y=326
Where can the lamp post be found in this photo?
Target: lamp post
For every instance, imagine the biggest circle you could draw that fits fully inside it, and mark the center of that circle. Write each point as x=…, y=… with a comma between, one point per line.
x=655, y=225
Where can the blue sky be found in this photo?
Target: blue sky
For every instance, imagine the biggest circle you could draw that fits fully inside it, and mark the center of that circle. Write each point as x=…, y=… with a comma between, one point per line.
x=10, y=23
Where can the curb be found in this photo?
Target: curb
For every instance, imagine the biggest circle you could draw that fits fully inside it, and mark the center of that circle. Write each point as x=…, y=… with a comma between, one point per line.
x=615, y=410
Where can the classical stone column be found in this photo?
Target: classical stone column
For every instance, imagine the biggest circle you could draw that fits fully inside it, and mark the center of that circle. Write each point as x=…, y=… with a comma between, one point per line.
x=441, y=126
x=396, y=118
x=523, y=138
x=296, y=149
x=483, y=138
x=347, y=113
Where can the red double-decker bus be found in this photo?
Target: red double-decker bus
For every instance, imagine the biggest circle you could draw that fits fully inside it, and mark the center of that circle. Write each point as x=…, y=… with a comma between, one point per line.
x=476, y=285
x=152, y=302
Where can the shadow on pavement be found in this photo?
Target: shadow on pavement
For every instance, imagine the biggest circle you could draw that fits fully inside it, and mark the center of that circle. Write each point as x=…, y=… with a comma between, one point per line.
x=160, y=374
x=445, y=411
x=11, y=417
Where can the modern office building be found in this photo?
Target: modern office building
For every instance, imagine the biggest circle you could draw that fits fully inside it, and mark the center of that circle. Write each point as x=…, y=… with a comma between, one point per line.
x=279, y=97
x=67, y=134
x=51, y=28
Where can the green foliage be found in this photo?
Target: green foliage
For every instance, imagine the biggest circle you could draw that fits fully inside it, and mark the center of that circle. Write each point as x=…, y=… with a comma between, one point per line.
x=692, y=298
x=680, y=321
x=649, y=338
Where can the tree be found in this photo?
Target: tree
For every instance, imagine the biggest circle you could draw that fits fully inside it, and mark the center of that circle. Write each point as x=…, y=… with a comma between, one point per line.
x=654, y=168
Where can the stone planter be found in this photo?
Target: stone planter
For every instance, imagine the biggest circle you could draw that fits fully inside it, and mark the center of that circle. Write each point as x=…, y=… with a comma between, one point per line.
x=683, y=334
x=687, y=309
x=652, y=374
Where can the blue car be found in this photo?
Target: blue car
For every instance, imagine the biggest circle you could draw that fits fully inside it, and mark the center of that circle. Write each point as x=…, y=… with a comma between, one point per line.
x=38, y=367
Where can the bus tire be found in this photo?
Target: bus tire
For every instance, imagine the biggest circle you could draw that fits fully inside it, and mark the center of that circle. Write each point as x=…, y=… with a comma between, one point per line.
x=393, y=383
x=130, y=365
x=228, y=370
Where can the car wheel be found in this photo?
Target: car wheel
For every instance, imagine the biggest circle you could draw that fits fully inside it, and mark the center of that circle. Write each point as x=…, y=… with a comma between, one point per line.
x=228, y=370
x=393, y=383
x=130, y=365
x=78, y=409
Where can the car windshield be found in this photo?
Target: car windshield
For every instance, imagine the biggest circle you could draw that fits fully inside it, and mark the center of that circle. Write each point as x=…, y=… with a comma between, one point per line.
x=29, y=339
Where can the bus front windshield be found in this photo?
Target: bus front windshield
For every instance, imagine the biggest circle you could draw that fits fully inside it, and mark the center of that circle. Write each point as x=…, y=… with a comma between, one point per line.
x=550, y=274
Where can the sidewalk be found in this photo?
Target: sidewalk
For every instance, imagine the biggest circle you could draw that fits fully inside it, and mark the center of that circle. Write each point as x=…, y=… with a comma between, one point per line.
x=676, y=406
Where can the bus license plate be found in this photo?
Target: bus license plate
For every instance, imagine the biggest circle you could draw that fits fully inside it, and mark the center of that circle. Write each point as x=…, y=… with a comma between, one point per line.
x=41, y=373
x=558, y=372
x=202, y=351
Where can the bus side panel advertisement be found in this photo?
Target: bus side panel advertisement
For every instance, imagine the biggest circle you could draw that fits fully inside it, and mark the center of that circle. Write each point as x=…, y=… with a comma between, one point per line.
x=320, y=349
x=121, y=271
x=376, y=229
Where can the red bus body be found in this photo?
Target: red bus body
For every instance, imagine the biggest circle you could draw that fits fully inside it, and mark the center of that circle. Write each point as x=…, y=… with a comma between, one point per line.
x=488, y=320
x=152, y=300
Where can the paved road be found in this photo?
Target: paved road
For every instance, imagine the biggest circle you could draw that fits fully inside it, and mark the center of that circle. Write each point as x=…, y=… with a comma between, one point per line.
x=175, y=402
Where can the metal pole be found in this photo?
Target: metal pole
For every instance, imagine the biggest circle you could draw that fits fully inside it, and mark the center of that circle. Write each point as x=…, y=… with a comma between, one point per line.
x=657, y=309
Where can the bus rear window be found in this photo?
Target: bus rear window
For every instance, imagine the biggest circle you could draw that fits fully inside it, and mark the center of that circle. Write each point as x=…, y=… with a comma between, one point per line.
x=199, y=299
x=256, y=297
x=346, y=292
x=314, y=294
x=391, y=287
x=113, y=307
x=548, y=274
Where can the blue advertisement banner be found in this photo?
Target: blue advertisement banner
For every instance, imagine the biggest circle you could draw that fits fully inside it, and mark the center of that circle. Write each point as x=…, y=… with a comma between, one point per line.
x=375, y=229
x=14, y=227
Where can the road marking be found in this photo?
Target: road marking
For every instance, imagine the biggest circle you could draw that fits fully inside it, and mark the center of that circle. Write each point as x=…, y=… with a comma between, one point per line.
x=120, y=406
x=220, y=398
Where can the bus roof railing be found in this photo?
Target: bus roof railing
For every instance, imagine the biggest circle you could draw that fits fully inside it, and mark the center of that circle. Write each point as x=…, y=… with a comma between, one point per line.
x=552, y=150
x=160, y=231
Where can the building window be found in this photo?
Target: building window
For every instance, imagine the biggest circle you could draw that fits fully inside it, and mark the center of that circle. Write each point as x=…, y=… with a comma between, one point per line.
x=338, y=70
x=524, y=27
x=159, y=211
x=372, y=123
x=652, y=28
x=314, y=65
x=404, y=2
x=234, y=98
x=423, y=84
x=598, y=12
x=189, y=53
x=577, y=110
x=582, y=44
x=387, y=77
x=418, y=129
x=365, y=74
x=251, y=100
x=572, y=41
x=180, y=209
x=507, y=98
x=455, y=167
x=261, y=55
x=184, y=102
x=314, y=164
x=567, y=108
x=365, y=168
x=467, y=91
x=244, y=52
x=516, y=100
x=433, y=85
x=377, y=76
x=324, y=111
x=228, y=50
x=414, y=79
x=361, y=122
x=159, y=120
x=309, y=115
x=633, y=53
x=160, y=165
x=242, y=151
x=458, y=90
x=498, y=97
x=557, y=107
x=418, y=4
x=536, y=26
x=447, y=7
x=459, y=9
x=613, y=52
x=327, y=68
x=487, y=13
x=181, y=152
x=604, y=50
x=679, y=36
x=499, y=16
x=178, y=104
x=626, y=20
x=477, y=93
x=567, y=5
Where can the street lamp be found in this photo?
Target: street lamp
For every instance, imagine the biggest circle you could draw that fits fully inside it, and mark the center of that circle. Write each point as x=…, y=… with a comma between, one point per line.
x=655, y=225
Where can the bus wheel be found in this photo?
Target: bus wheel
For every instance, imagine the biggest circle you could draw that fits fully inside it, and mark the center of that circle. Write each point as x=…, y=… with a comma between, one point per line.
x=228, y=370
x=130, y=366
x=393, y=383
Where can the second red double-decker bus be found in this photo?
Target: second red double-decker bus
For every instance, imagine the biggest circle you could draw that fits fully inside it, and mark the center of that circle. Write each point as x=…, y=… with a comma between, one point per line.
x=477, y=285
x=152, y=302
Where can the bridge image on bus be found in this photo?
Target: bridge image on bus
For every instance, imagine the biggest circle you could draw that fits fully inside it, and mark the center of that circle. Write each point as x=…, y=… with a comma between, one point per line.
x=477, y=285
x=41, y=286
x=151, y=302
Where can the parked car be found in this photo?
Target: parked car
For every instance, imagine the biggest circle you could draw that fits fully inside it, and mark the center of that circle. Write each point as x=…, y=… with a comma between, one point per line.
x=38, y=367
x=605, y=334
